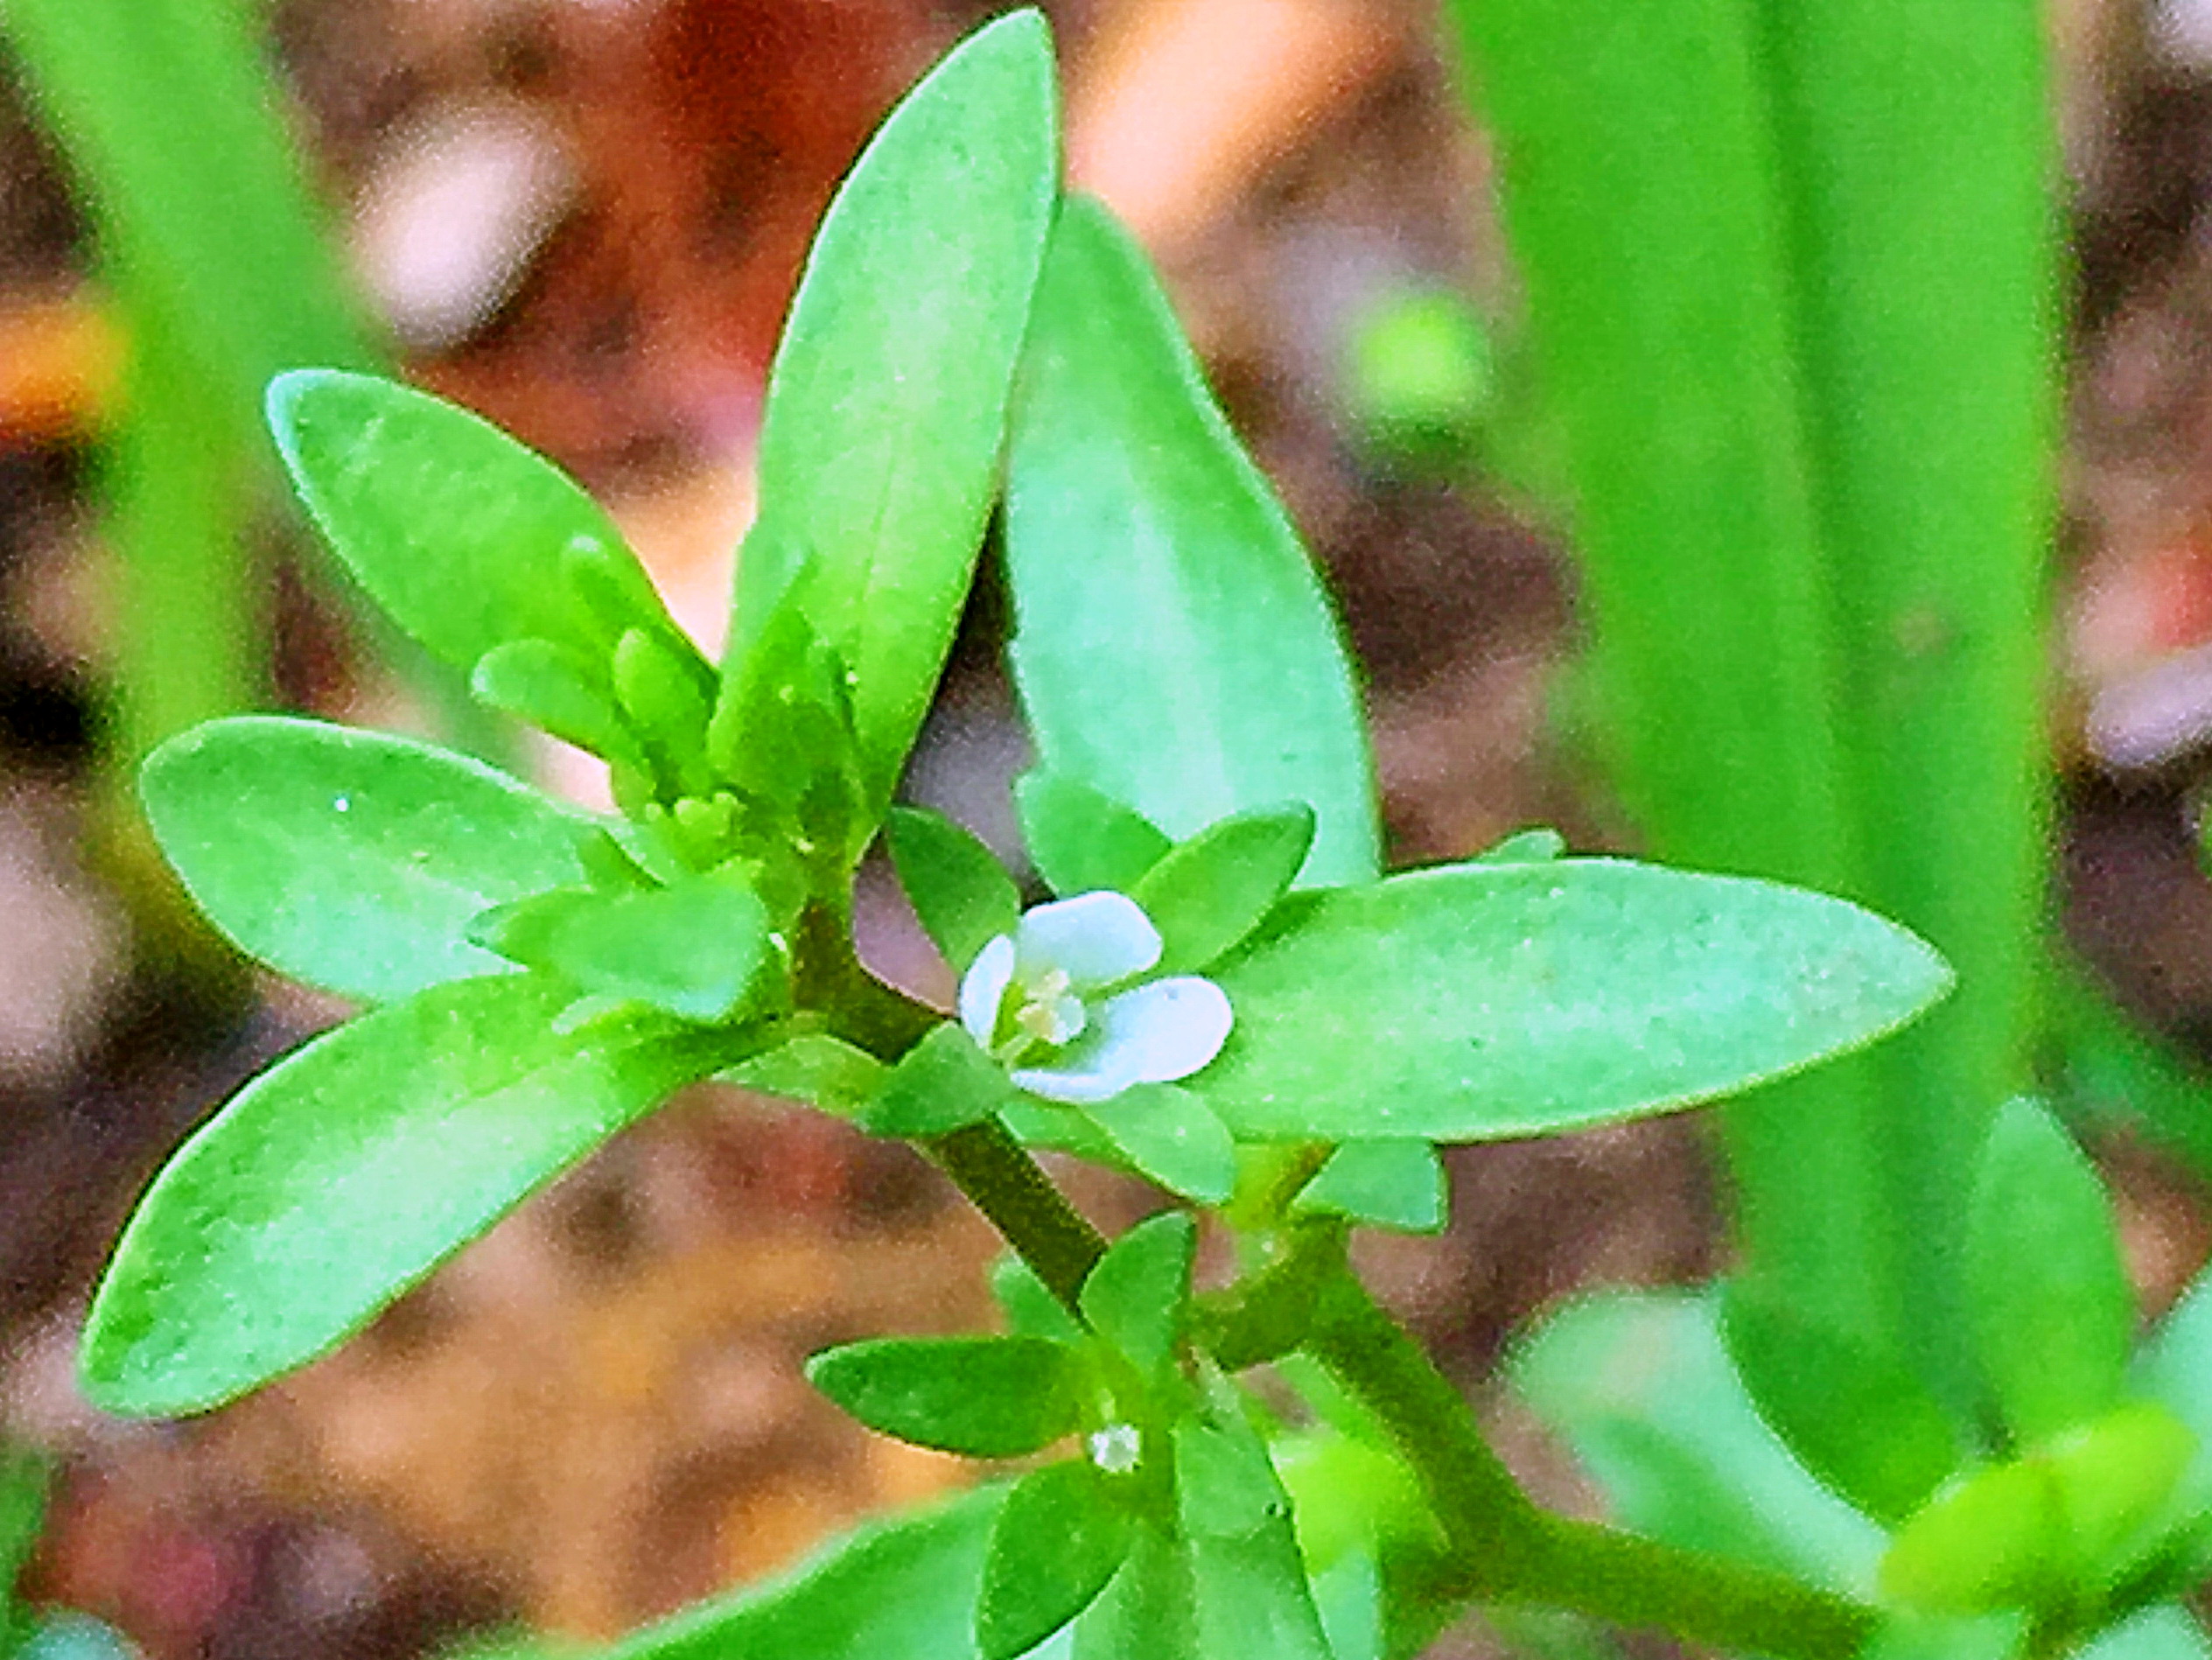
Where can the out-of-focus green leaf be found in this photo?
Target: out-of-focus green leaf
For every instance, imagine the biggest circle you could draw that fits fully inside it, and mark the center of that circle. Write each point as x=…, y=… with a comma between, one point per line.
x=1477, y=1002
x=880, y=444
x=986, y=1397
x=2166, y=1632
x=1862, y=1421
x=1640, y=1387
x=2054, y=1316
x=1082, y=841
x=352, y=860
x=349, y=1170
x=903, y=1589
x=1172, y=646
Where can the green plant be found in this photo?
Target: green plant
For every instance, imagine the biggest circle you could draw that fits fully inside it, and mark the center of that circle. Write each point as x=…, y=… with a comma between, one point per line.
x=1223, y=994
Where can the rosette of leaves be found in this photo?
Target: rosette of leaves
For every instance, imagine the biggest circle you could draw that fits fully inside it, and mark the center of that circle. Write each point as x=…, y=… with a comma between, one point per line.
x=534, y=977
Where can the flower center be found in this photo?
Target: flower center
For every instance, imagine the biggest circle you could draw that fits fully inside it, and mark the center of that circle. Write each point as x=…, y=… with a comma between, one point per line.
x=1047, y=1012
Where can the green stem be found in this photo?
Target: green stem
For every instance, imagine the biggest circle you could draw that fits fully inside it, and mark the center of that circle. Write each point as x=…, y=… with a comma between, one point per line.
x=1002, y=1181
x=1508, y=1550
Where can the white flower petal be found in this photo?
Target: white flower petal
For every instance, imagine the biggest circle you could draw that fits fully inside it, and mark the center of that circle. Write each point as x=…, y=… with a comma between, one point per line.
x=1090, y=1076
x=1167, y=1029
x=982, y=989
x=1094, y=939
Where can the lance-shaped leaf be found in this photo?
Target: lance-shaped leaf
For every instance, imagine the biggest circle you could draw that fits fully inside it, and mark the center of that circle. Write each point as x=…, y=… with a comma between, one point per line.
x=962, y=894
x=349, y=1170
x=1137, y=1296
x=1082, y=841
x=1477, y=1002
x=466, y=537
x=2053, y=1318
x=903, y=1589
x=349, y=859
x=1213, y=889
x=1170, y=1136
x=1060, y=1536
x=1248, y=1582
x=879, y=446
x=986, y=1397
x=1172, y=646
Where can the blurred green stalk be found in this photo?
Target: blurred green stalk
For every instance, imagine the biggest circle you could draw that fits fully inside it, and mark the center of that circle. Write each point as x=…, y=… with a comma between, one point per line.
x=1791, y=271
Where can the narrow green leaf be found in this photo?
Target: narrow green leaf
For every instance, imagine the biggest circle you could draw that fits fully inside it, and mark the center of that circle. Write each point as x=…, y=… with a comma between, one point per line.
x=1170, y=1136
x=1031, y=1310
x=1390, y=1184
x=901, y=1589
x=2117, y=1478
x=1172, y=646
x=1149, y=1612
x=986, y=1397
x=345, y=1172
x=2053, y=1317
x=1082, y=841
x=1248, y=1579
x=2166, y=1632
x=941, y=1085
x=816, y=1068
x=1477, y=1002
x=1347, y=1596
x=1134, y=1298
x=1640, y=1387
x=1059, y=1539
x=466, y=539
x=879, y=448
x=1860, y=1419
x=698, y=948
x=558, y=691
x=1213, y=889
x=962, y=894
x=349, y=859
x=2173, y=1367
x=1995, y=1540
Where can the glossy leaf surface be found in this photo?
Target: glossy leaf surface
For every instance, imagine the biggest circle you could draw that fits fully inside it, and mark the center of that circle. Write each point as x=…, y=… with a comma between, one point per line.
x=349, y=859
x=1172, y=646
x=1212, y=890
x=1477, y=1002
x=986, y=1397
x=349, y=1170
x=879, y=447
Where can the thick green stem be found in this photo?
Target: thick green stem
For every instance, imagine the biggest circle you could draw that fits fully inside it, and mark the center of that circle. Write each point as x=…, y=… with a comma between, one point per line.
x=1002, y=1181
x=1508, y=1550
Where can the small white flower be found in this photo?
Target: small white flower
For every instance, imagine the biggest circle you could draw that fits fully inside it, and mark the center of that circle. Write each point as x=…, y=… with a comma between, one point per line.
x=1044, y=1001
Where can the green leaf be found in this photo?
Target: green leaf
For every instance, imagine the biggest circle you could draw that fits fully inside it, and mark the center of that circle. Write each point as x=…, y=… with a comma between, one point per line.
x=986, y=1397
x=1059, y=1539
x=466, y=539
x=1031, y=1310
x=1213, y=889
x=1640, y=1387
x=941, y=1085
x=903, y=1589
x=1135, y=1297
x=1172, y=646
x=349, y=859
x=2166, y=1632
x=2174, y=1367
x=1170, y=1136
x=1905, y=1637
x=1398, y=1185
x=816, y=1068
x=558, y=691
x=1149, y=1612
x=2053, y=1317
x=345, y=1172
x=1082, y=841
x=699, y=948
x=1860, y=1419
x=1248, y=1579
x=879, y=447
x=75, y=1636
x=1525, y=847
x=962, y=894
x=1476, y=1002
x=1347, y=1596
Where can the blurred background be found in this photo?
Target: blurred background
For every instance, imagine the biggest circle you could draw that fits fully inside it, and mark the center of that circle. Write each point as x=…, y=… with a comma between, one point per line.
x=584, y=219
